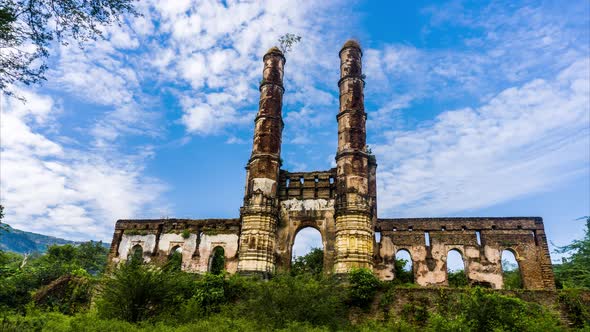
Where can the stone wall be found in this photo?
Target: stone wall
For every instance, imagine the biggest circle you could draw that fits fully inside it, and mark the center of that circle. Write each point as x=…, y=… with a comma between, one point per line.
x=480, y=242
x=195, y=238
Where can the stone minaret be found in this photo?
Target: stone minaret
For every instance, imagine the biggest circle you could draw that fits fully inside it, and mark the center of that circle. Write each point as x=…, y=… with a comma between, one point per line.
x=354, y=204
x=260, y=211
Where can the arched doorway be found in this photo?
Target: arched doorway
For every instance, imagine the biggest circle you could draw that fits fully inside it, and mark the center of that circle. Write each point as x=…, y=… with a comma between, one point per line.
x=307, y=253
x=510, y=270
x=135, y=255
x=403, y=267
x=217, y=260
x=456, y=274
x=175, y=259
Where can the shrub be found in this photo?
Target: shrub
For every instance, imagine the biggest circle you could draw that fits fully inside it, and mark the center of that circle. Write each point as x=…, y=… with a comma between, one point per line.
x=363, y=287
x=68, y=294
x=578, y=311
x=489, y=311
x=312, y=263
x=402, y=276
x=284, y=299
x=136, y=292
x=458, y=279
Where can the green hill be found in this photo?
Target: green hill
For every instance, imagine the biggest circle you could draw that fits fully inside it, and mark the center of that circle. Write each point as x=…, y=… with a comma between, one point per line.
x=22, y=242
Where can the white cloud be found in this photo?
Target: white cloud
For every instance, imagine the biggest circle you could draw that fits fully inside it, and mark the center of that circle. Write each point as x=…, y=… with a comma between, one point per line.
x=524, y=140
x=62, y=191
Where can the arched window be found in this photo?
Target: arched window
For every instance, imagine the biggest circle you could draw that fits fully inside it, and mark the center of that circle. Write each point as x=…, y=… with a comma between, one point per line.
x=135, y=255
x=510, y=270
x=307, y=254
x=404, y=271
x=217, y=260
x=456, y=269
x=175, y=259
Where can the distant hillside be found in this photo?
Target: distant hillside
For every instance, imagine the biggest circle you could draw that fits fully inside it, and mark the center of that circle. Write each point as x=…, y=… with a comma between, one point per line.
x=25, y=242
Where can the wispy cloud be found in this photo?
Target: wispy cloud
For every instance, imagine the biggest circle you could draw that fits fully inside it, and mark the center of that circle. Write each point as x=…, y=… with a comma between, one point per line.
x=524, y=140
x=60, y=190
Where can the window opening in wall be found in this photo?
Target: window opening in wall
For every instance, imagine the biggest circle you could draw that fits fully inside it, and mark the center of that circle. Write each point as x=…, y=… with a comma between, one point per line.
x=301, y=180
x=331, y=180
x=174, y=262
x=478, y=237
x=217, y=260
x=456, y=269
x=307, y=253
x=288, y=182
x=378, y=236
x=463, y=228
x=510, y=271
x=494, y=227
x=534, y=234
x=394, y=229
x=410, y=228
x=427, y=238
x=316, y=179
x=444, y=228
x=403, y=267
x=135, y=255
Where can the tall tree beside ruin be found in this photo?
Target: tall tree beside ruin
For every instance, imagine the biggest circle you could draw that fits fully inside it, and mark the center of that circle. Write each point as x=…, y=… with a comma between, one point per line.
x=574, y=271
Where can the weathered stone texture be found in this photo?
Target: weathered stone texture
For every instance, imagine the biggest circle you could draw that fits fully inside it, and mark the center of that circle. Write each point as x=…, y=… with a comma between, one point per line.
x=196, y=239
x=519, y=235
x=341, y=203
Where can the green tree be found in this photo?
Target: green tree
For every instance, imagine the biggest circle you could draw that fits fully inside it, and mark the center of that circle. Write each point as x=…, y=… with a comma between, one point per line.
x=511, y=275
x=363, y=287
x=217, y=265
x=311, y=263
x=3, y=226
x=136, y=292
x=574, y=270
x=402, y=276
x=457, y=279
x=37, y=23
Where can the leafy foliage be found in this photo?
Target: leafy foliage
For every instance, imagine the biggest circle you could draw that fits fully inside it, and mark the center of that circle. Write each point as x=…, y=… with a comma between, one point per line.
x=303, y=298
x=311, y=263
x=574, y=271
x=21, y=275
x=458, y=279
x=363, y=286
x=402, y=276
x=287, y=41
x=39, y=22
x=141, y=297
x=136, y=292
x=488, y=311
x=217, y=265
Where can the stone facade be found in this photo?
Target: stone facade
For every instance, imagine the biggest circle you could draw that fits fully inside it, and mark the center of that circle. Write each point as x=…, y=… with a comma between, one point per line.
x=341, y=204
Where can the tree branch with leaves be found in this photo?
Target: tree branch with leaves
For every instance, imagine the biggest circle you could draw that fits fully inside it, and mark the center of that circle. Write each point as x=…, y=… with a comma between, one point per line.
x=28, y=27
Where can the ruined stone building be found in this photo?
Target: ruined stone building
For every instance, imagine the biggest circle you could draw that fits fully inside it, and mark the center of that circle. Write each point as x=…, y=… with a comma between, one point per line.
x=341, y=203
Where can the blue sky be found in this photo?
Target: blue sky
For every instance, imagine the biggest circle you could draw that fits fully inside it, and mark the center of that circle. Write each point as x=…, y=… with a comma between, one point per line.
x=473, y=110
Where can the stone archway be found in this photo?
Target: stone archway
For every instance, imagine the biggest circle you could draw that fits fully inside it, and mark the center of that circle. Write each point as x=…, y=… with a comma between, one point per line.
x=286, y=240
x=305, y=240
x=512, y=277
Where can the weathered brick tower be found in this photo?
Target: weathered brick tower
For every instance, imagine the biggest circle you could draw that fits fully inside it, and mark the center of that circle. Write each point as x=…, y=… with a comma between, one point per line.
x=341, y=204
x=353, y=210
x=260, y=211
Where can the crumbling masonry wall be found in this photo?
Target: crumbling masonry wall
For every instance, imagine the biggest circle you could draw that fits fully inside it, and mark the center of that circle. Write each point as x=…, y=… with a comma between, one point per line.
x=159, y=238
x=524, y=236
